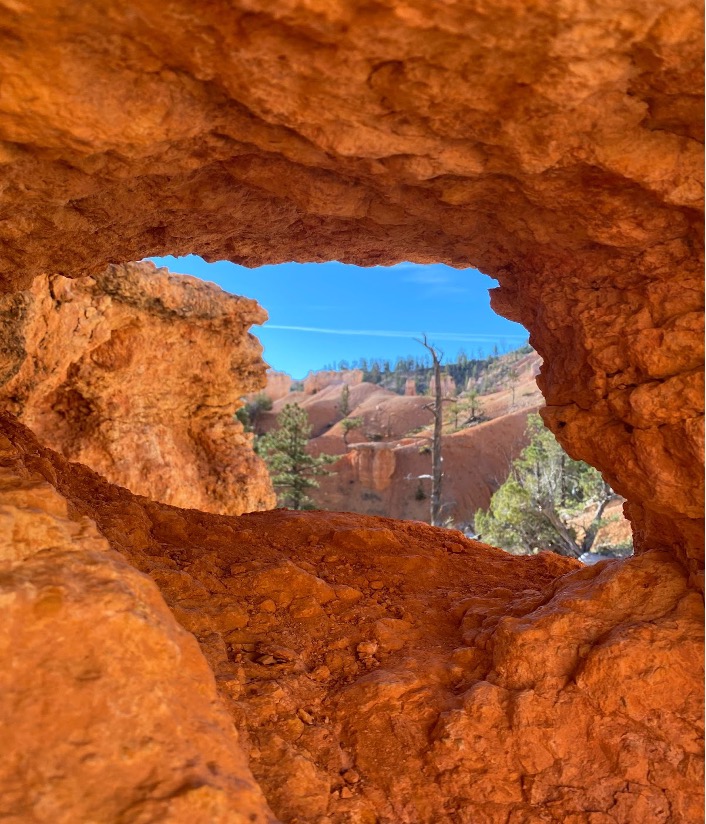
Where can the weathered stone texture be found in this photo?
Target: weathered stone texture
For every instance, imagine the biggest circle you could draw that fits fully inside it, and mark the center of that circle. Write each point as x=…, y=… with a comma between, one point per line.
x=108, y=710
x=137, y=373
x=556, y=147
x=376, y=670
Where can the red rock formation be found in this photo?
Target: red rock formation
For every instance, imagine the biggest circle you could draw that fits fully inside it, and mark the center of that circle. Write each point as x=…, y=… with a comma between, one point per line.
x=382, y=478
x=448, y=386
x=555, y=146
x=316, y=381
x=375, y=669
x=137, y=373
x=556, y=149
x=384, y=415
x=109, y=712
x=391, y=448
x=278, y=385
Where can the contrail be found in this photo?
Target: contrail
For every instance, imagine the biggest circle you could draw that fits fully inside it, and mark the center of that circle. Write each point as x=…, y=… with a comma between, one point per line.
x=389, y=333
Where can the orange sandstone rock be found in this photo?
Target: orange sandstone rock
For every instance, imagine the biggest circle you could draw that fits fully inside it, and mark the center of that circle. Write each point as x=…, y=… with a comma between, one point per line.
x=137, y=373
x=557, y=149
x=431, y=677
x=386, y=478
x=109, y=712
x=316, y=381
x=278, y=385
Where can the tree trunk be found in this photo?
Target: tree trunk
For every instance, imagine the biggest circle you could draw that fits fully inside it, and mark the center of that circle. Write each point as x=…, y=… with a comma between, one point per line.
x=437, y=411
x=592, y=531
x=569, y=546
x=436, y=473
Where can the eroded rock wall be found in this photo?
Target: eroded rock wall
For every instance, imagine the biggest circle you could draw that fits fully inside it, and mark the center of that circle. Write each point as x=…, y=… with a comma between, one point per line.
x=557, y=148
x=278, y=385
x=375, y=670
x=137, y=373
x=393, y=478
x=109, y=712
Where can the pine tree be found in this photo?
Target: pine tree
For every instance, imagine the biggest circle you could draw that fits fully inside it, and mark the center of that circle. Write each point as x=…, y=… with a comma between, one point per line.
x=348, y=425
x=291, y=467
x=344, y=404
x=545, y=490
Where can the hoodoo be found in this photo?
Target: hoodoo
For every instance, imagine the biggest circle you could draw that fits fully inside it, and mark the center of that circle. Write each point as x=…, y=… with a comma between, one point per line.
x=165, y=664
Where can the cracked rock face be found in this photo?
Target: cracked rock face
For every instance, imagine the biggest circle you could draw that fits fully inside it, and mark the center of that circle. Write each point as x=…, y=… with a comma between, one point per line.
x=137, y=373
x=375, y=671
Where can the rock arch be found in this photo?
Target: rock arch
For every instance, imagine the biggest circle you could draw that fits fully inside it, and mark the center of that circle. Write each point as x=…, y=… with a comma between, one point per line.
x=557, y=149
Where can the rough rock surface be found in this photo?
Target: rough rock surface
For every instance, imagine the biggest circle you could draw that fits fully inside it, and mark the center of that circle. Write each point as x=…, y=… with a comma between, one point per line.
x=376, y=670
x=557, y=148
x=109, y=712
x=137, y=373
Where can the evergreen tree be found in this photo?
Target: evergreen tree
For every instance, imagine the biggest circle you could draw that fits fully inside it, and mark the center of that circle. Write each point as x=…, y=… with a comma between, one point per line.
x=474, y=404
x=545, y=489
x=291, y=467
x=344, y=404
x=455, y=410
x=348, y=425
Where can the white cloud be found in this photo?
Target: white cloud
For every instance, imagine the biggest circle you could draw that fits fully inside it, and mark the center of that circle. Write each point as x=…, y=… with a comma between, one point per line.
x=465, y=337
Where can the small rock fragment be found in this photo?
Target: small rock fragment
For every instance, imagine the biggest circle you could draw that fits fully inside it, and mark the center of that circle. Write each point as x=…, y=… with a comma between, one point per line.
x=322, y=673
x=305, y=717
x=365, y=649
x=266, y=660
x=306, y=607
x=346, y=593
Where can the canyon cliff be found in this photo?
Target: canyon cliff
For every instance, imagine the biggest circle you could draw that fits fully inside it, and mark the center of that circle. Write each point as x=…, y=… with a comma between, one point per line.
x=316, y=381
x=375, y=670
x=137, y=373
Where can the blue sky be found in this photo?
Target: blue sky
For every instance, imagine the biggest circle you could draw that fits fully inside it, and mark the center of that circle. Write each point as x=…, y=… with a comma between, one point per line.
x=322, y=313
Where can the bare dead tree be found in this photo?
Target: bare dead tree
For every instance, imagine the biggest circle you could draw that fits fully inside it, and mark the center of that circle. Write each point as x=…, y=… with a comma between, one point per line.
x=436, y=408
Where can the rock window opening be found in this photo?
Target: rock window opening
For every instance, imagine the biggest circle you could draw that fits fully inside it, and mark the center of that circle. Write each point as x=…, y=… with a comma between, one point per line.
x=180, y=665
x=161, y=422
